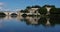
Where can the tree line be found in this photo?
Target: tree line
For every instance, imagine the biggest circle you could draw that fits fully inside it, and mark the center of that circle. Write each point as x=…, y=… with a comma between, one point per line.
x=43, y=10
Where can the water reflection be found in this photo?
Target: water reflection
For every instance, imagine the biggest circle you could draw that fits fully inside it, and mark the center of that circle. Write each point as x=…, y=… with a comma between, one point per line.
x=30, y=24
x=37, y=21
x=51, y=21
x=1, y=17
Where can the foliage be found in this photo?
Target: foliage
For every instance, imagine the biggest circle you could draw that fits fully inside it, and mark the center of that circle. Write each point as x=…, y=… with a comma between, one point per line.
x=26, y=11
x=42, y=10
x=22, y=11
x=53, y=11
x=2, y=14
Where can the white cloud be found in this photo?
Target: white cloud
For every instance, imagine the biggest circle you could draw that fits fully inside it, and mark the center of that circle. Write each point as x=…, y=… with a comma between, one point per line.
x=1, y=3
x=18, y=9
x=1, y=6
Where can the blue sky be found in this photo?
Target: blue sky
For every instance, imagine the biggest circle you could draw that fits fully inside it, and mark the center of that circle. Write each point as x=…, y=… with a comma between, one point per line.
x=22, y=4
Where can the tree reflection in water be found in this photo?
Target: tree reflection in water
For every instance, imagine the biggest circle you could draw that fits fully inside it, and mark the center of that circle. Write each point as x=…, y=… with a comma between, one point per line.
x=53, y=20
x=2, y=16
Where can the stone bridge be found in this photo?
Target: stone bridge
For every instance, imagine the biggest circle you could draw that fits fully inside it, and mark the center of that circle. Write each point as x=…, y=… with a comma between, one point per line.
x=19, y=13
x=31, y=12
x=9, y=13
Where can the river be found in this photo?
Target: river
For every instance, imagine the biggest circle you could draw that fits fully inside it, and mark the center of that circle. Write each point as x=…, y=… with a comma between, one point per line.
x=29, y=24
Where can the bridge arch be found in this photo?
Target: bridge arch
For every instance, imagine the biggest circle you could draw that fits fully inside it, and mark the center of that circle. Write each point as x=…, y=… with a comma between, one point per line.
x=13, y=14
x=9, y=13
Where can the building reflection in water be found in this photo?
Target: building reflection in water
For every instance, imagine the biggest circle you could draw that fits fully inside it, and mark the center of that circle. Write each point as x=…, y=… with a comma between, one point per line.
x=45, y=21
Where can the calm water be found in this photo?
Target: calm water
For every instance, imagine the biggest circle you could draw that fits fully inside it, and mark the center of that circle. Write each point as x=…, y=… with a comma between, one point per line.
x=29, y=24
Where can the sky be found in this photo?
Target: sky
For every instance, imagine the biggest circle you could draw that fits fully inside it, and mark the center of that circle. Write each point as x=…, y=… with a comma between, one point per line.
x=14, y=5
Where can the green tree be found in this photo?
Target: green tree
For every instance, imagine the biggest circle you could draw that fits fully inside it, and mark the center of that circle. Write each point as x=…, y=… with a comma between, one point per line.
x=22, y=11
x=42, y=10
x=28, y=7
x=53, y=11
x=36, y=6
x=26, y=11
x=57, y=10
x=2, y=14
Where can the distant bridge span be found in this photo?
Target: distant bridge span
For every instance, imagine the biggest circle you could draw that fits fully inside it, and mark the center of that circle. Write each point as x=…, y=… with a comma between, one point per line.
x=31, y=12
x=9, y=13
x=19, y=13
